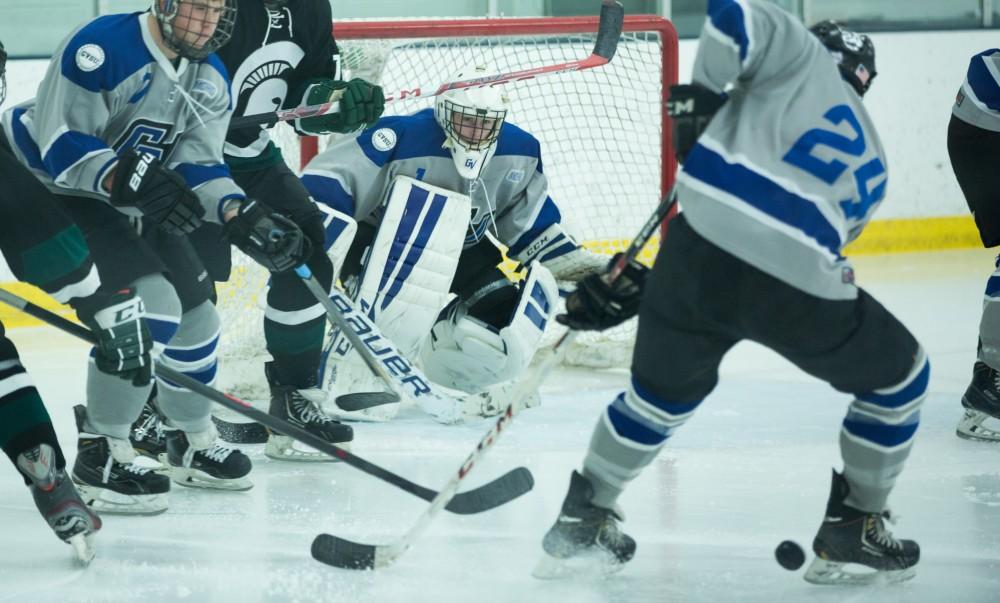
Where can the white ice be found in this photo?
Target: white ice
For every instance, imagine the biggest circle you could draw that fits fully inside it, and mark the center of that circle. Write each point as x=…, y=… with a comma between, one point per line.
x=750, y=469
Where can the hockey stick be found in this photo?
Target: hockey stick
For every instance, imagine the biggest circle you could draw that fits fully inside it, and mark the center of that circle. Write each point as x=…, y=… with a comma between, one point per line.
x=609, y=29
x=493, y=494
x=380, y=353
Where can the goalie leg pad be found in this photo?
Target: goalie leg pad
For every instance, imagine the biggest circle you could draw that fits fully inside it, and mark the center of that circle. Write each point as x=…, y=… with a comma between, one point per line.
x=406, y=279
x=468, y=353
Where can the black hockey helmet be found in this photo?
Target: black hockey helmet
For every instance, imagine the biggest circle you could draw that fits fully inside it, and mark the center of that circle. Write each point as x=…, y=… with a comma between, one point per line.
x=854, y=53
x=185, y=25
x=3, y=73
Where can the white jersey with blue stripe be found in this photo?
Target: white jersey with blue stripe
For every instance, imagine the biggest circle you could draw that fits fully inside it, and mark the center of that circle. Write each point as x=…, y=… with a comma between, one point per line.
x=791, y=168
x=108, y=89
x=978, y=100
x=510, y=197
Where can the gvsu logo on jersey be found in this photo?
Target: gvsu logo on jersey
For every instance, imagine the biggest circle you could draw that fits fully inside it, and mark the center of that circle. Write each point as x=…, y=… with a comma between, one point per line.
x=89, y=57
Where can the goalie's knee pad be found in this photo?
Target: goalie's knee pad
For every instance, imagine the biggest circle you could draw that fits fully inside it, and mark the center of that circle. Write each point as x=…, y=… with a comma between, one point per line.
x=469, y=353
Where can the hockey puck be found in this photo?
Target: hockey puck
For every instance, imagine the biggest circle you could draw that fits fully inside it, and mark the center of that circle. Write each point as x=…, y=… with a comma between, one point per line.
x=789, y=555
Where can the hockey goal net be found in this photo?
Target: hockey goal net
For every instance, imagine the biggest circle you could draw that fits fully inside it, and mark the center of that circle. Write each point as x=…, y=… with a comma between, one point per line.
x=604, y=135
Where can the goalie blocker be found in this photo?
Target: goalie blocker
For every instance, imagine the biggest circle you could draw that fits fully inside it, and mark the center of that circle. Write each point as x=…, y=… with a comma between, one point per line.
x=414, y=263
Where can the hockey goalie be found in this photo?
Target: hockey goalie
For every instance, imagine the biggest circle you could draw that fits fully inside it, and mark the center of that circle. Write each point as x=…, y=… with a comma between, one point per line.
x=417, y=206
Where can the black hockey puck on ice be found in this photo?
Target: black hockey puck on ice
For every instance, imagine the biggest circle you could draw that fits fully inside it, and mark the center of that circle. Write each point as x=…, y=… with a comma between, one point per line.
x=790, y=555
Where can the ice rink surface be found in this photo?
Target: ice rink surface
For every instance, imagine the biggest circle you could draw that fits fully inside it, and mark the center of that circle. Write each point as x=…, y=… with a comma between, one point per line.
x=750, y=469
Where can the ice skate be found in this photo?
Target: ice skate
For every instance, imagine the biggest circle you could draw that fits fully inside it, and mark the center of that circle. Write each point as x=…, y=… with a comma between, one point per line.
x=198, y=461
x=59, y=502
x=108, y=479
x=585, y=539
x=854, y=547
x=147, y=436
x=981, y=403
x=302, y=408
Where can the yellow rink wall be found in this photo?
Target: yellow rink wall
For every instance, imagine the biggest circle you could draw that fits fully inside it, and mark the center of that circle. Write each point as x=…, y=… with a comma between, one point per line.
x=880, y=236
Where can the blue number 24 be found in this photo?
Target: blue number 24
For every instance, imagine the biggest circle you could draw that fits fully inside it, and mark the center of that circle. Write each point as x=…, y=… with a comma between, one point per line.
x=801, y=156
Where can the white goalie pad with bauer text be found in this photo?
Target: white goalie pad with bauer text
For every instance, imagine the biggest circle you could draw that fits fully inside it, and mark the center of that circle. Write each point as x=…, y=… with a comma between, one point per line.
x=469, y=355
x=407, y=271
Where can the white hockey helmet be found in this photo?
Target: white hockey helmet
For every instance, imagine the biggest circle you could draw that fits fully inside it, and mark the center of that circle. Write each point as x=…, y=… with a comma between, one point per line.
x=471, y=119
x=195, y=29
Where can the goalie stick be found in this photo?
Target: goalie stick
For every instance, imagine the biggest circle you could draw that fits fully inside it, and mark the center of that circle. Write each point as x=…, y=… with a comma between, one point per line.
x=488, y=496
x=347, y=554
x=609, y=29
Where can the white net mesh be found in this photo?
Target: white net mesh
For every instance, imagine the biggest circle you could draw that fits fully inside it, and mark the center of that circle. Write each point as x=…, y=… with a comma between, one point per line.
x=601, y=133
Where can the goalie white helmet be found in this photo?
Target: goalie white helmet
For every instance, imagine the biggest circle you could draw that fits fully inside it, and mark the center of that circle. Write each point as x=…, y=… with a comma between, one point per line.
x=195, y=29
x=471, y=119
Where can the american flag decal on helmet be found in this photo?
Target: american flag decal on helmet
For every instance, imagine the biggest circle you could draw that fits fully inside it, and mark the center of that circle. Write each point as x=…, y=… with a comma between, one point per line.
x=863, y=74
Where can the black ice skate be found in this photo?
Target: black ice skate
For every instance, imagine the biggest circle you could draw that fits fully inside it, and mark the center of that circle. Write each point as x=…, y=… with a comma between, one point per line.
x=147, y=436
x=108, y=479
x=296, y=406
x=850, y=536
x=215, y=467
x=981, y=402
x=585, y=538
x=59, y=502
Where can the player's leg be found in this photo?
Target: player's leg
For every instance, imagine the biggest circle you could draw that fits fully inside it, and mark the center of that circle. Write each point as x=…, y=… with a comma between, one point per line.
x=29, y=440
x=681, y=339
x=123, y=260
x=859, y=348
x=189, y=443
x=294, y=322
x=974, y=154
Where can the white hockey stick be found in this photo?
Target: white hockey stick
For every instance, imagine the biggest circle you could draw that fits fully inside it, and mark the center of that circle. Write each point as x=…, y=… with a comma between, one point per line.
x=609, y=29
x=380, y=354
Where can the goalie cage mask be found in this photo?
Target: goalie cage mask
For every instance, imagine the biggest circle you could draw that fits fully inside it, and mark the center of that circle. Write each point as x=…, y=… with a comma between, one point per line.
x=195, y=29
x=471, y=119
x=854, y=53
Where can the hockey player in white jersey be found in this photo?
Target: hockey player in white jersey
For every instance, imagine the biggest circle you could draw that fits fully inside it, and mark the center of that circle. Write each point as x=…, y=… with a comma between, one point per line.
x=974, y=148
x=426, y=193
x=127, y=130
x=788, y=171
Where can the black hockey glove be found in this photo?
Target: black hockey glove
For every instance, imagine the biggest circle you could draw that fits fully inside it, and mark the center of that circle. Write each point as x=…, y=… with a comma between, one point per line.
x=692, y=107
x=596, y=305
x=124, y=344
x=269, y=238
x=361, y=104
x=159, y=193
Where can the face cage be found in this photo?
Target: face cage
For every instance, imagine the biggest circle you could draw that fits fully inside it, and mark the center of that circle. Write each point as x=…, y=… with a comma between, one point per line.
x=173, y=39
x=483, y=137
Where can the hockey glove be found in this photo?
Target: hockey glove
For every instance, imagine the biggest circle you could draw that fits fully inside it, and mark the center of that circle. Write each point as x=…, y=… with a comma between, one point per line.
x=361, y=104
x=269, y=238
x=161, y=194
x=692, y=107
x=596, y=305
x=124, y=344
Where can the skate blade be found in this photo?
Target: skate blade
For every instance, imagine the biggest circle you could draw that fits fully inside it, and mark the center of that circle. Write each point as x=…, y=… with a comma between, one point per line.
x=106, y=501
x=194, y=478
x=588, y=564
x=970, y=427
x=837, y=573
x=283, y=448
x=83, y=548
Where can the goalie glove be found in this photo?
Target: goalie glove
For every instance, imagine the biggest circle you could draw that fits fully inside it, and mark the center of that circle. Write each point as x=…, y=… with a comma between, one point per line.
x=160, y=194
x=124, y=344
x=269, y=238
x=597, y=305
x=361, y=104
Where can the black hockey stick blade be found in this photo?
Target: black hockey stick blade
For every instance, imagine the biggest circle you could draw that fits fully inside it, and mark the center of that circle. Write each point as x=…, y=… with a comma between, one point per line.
x=335, y=551
x=498, y=492
x=362, y=400
x=609, y=29
x=247, y=432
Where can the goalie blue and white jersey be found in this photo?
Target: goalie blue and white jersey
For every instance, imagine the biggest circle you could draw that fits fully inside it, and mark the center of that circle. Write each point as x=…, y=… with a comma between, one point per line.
x=978, y=100
x=108, y=89
x=510, y=198
x=791, y=168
